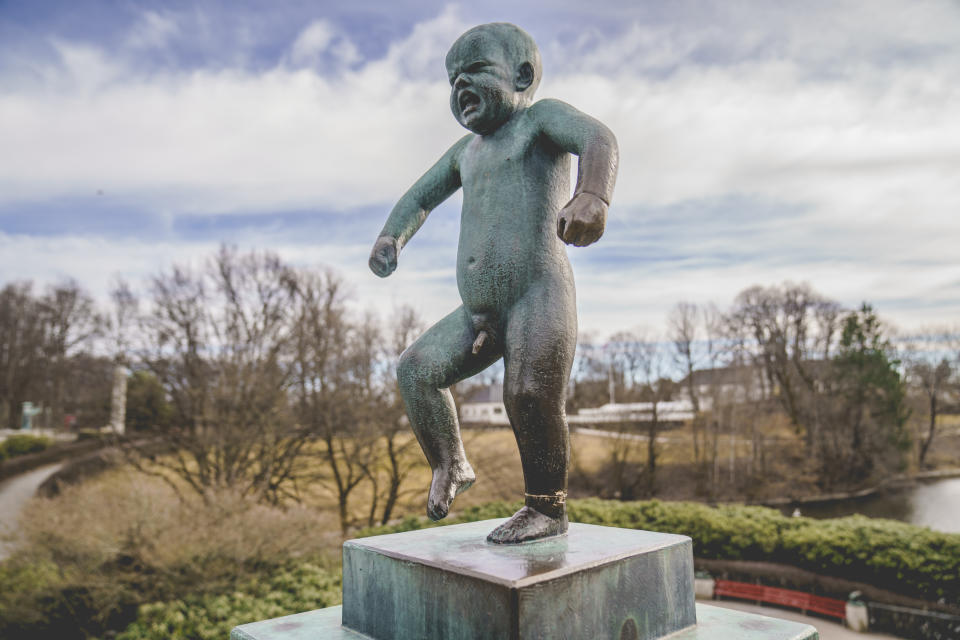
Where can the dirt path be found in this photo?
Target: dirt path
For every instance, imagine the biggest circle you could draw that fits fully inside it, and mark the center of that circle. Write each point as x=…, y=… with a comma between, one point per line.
x=14, y=493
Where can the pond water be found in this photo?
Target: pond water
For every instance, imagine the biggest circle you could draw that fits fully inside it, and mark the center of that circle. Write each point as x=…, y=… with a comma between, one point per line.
x=932, y=504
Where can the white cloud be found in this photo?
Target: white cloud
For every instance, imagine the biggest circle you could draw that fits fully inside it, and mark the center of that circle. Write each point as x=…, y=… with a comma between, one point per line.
x=314, y=39
x=844, y=112
x=219, y=141
x=318, y=39
x=152, y=31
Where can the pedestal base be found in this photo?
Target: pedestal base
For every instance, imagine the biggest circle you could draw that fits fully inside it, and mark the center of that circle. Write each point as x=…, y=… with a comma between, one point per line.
x=713, y=623
x=449, y=583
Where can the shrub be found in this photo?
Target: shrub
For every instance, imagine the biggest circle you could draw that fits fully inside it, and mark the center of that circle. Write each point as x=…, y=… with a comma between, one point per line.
x=896, y=556
x=212, y=616
x=90, y=557
x=122, y=552
x=22, y=444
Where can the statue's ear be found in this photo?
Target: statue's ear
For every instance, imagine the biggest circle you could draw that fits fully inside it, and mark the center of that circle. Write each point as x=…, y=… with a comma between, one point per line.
x=524, y=76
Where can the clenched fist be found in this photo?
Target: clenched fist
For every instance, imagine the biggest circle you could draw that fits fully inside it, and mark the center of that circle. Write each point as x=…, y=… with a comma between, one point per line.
x=582, y=221
x=383, y=258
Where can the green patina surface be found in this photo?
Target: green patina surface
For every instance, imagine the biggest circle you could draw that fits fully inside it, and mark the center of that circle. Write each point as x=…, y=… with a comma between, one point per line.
x=450, y=582
x=514, y=278
x=714, y=623
x=311, y=625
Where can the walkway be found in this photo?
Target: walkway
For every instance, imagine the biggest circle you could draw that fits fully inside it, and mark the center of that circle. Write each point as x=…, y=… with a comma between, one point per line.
x=14, y=493
x=828, y=629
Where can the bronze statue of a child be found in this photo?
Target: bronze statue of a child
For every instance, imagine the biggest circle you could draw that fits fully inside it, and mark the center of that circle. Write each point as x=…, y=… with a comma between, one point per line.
x=512, y=270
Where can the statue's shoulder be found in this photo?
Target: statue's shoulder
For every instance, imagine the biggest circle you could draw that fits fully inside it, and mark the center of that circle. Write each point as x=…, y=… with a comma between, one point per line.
x=457, y=149
x=548, y=108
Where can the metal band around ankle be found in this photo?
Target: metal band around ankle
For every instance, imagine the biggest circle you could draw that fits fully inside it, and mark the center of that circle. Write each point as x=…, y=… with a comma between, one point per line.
x=558, y=498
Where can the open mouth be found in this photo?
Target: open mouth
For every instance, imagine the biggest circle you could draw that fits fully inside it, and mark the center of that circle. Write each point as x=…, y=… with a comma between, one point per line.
x=468, y=101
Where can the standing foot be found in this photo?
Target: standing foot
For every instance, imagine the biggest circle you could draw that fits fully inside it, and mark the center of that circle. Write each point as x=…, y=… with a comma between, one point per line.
x=528, y=524
x=446, y=485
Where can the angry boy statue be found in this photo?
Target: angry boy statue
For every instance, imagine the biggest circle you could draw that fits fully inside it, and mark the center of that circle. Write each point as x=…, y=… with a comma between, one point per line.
x=514, y=278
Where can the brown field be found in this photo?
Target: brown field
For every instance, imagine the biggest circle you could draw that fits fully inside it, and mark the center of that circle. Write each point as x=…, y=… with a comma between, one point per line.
x=493, y=454
x=777, y=471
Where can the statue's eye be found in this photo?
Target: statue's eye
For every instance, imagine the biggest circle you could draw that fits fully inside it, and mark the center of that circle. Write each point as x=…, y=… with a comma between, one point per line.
x=474, y=67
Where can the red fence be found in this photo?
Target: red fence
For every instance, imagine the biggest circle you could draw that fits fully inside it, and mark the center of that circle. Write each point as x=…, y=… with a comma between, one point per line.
x=785, y=597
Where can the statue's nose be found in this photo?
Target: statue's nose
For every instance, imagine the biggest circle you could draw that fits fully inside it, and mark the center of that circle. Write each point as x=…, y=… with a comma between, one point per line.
x=460, y=82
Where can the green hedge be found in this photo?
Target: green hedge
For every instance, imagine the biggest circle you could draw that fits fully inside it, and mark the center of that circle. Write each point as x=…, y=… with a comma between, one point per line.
x=22, y=444
x=211, y=617
x=900, y=557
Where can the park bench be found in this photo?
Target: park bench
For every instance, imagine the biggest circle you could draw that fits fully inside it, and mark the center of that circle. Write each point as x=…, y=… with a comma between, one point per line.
x=784, y=597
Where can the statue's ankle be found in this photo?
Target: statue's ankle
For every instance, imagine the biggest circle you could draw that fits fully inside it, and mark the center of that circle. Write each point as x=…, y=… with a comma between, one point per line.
x=552, y=505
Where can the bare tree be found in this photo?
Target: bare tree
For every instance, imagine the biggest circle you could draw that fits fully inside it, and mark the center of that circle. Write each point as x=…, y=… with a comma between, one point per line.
x=335, y=395
x=399, y=447
x=38, y=338
x=929, y=371
x=71, y=321
x=715, y=336
x=217, y=339
x=683, y=329
x=792, y=330
x=652, y=370
x=22, y=352
x=632, y=355
x=590, y=378
x=625, y=355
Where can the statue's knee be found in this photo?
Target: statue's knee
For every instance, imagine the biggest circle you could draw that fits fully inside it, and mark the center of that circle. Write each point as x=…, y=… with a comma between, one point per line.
x=407, y=369
x=532, y=398
x=413, y=371
x=523, y=399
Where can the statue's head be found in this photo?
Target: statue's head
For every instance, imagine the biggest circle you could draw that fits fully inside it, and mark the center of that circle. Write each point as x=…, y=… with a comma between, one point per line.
x=494, y=70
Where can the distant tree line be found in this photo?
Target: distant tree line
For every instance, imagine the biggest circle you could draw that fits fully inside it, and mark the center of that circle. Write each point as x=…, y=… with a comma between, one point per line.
x=260, y=378
x=46, y=358
x=858, y=394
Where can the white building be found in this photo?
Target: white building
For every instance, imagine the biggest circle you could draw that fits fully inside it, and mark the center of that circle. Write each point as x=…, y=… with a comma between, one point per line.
x=676, y=412
x=485, y=407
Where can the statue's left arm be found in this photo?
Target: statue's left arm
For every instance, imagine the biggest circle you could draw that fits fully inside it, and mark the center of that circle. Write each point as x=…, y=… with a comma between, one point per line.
x=582, y=220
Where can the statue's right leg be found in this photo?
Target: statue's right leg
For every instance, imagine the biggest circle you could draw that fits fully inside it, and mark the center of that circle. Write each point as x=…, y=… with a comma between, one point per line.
x=439, y=358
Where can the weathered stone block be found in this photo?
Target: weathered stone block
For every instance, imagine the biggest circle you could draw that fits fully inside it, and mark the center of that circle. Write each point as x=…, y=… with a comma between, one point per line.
x=448, y=582
x=713, y=623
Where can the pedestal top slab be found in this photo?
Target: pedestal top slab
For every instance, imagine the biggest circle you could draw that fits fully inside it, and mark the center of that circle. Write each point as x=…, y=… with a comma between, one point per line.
x=714, y=623
x=463, y=549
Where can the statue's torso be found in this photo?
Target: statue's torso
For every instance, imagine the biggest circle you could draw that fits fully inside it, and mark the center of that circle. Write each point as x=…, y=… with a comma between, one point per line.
x=514, y=183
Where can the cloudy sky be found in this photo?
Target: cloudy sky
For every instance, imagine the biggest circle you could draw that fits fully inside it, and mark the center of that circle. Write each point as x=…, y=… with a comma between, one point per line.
x=761, y=142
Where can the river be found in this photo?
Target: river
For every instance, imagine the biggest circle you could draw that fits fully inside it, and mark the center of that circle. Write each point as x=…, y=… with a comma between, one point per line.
x=933, y=504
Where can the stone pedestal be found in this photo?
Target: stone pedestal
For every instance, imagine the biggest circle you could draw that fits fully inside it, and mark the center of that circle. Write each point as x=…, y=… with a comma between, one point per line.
x=449, y=583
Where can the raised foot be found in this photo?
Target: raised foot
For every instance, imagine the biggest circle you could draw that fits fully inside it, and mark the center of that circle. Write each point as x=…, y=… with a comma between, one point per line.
x=446, y=485
x=528, y=524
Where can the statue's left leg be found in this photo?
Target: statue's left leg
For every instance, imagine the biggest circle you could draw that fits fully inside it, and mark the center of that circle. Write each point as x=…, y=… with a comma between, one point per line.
x=539, y=344
x=439, y=358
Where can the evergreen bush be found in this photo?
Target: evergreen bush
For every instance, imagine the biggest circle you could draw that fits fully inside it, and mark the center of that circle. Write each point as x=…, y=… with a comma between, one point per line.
x=22, y=444
x=900, y=557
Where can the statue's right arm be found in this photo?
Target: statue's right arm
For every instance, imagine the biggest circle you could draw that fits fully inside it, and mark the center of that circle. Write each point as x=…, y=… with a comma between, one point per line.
x=410, y=212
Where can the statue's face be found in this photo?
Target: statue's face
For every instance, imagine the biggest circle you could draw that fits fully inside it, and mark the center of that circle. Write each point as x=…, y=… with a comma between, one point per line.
x=483, y=92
